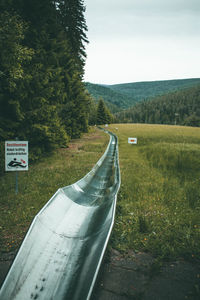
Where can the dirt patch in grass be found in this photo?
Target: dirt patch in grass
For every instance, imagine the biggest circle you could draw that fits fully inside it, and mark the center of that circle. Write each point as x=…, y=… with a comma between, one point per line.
x=93, y=137
x=73, y=146
x=139, y=276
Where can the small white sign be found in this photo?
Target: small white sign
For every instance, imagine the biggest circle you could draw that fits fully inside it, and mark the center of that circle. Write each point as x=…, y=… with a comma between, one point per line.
x=132, y=140
x=16, y=156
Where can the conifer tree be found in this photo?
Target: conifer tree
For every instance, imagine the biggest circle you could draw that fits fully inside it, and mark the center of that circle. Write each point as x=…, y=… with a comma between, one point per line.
x=74, y=24
x=103, y=114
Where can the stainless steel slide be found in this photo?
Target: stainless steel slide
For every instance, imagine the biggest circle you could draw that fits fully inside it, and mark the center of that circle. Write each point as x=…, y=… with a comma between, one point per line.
x=63, y=249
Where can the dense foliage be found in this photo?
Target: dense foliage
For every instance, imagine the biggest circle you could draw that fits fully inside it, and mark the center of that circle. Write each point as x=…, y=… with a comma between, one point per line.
x=42, y=55
x=181, y=107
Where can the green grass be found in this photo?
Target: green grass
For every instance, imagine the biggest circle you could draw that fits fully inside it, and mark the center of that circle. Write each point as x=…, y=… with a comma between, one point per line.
x=158, y=207
x=159, y=201
x=37, y=186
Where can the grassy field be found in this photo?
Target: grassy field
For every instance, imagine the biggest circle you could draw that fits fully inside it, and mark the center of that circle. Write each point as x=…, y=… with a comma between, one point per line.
x=158, y=208
x=159, y=200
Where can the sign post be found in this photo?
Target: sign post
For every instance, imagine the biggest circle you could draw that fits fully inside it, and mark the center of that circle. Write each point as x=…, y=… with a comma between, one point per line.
x=16, y=184
x=16, y=157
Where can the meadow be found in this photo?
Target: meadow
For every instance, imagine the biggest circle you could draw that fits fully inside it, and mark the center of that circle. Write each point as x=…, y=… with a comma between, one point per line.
x=158, y=207
x=159, y=201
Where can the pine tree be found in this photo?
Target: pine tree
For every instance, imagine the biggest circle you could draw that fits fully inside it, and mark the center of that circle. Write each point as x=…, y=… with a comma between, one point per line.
x=103, y=114
x=74, y=24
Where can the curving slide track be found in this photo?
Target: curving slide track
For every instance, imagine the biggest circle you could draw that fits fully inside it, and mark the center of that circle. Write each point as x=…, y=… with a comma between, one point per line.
x=63, y=249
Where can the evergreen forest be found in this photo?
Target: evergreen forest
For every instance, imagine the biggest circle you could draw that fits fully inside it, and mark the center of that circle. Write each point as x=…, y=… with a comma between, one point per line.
x=42, y=56
x=177, y=108
x=125, y=95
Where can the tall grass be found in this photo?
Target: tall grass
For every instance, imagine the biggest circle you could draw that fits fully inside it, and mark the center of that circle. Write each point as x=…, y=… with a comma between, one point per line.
x=159, y=200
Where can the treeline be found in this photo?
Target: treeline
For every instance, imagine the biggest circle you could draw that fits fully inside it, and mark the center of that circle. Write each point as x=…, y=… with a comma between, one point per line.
x=181, y=107
x=42, y=56
x=151, y=89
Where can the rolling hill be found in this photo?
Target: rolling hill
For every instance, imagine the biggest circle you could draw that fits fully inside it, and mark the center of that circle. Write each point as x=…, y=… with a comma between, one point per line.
x=180, y=107
x=128, y=94
x=114, y=99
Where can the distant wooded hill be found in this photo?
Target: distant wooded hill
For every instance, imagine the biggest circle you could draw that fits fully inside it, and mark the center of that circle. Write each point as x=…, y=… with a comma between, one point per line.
x=122, y=96
x=180, y=107
x=113, y=99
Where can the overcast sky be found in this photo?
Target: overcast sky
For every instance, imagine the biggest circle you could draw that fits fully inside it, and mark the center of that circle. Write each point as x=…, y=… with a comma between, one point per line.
x=142, y=40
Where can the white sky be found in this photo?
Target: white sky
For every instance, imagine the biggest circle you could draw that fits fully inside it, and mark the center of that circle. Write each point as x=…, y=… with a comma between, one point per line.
x=142, y=40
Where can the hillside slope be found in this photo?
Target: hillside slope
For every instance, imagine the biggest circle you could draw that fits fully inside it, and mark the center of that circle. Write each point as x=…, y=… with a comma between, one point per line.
x=180, y=107
x=128, y=94
x=119, y=100
x=151, y=89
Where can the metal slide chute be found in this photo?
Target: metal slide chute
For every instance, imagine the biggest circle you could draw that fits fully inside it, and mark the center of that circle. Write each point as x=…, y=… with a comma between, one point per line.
x=63, y=249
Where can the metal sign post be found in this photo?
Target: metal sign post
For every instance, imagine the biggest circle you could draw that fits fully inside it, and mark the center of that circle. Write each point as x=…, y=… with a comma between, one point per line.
x=16, y=184
x=16, y=157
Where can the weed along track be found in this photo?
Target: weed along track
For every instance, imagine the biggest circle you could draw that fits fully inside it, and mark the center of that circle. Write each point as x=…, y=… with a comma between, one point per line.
x=63, y=249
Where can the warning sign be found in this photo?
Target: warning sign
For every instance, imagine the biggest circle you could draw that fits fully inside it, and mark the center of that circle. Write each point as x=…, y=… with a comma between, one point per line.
x=16, y=156
x=132, y=140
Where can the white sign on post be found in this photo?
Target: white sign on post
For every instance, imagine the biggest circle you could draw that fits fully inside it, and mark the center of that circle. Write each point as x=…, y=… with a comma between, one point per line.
x=16, y=156
x=132, y=140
